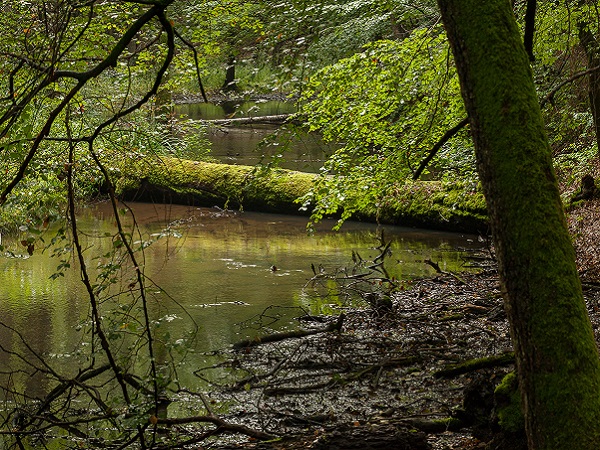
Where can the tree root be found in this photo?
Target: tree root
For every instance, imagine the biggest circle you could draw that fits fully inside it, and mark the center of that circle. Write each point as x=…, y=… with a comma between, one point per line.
x=453, y=370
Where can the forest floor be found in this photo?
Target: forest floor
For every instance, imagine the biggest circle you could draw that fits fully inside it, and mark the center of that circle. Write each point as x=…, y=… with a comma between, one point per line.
x=376, y=383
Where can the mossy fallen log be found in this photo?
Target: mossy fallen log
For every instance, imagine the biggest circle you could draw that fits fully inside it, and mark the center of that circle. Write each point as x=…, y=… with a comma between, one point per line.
x=172, y=180
x=424, y=204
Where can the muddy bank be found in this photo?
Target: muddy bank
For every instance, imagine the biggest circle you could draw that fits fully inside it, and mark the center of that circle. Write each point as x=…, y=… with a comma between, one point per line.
x=432, y=205
x=374, y=382
x=379, y=380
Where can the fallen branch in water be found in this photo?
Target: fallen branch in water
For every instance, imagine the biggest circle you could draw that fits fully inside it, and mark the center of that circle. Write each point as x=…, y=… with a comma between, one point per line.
x=277, y=119
x=276, y=337
x=437, y=268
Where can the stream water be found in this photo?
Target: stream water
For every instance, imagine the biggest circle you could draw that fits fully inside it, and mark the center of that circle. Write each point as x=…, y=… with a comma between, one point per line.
x=240, y=145
x=222, y=275
x=211, y=269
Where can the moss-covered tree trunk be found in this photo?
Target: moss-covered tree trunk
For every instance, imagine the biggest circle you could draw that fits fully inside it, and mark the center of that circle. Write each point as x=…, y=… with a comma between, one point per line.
x=557, y=358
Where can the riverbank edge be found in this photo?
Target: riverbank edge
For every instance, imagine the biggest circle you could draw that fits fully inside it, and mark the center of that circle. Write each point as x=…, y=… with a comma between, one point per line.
x=423, y=204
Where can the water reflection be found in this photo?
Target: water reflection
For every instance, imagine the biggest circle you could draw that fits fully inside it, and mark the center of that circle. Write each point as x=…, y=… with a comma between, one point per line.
x=240, y=144
x=211, y=270
x=228, y=109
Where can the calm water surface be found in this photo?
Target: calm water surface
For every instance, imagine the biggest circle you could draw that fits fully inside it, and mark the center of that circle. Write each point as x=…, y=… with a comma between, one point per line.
x=240, y=144
x=211, y=270
x=217, y=258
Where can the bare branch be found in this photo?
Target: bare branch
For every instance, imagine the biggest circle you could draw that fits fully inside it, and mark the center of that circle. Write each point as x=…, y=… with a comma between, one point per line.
x=113, y=57
x=195, y=52
x=220, y=423
x=552, y=93
x=86, y=278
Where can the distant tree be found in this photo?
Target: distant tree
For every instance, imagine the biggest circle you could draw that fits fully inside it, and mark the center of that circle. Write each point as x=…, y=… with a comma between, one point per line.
x=588, y=25
x=224, y=31
x=557, y=359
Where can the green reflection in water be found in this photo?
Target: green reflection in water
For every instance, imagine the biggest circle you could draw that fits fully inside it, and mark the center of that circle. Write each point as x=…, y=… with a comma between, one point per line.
x=239, y=144
x=210, y=111
x=217, y=275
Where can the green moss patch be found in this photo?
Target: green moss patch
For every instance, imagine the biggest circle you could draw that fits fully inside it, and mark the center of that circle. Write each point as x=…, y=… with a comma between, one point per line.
x=433, y=204
x=210, y=184
x=508, y=405
x=171, y=180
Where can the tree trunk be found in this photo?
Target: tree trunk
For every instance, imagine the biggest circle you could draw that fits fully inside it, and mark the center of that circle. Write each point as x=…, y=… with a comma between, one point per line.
x=230, y=84
x=556, y=355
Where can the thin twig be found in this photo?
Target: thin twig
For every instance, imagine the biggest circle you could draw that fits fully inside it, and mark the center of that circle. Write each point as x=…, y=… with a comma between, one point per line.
x=195, y=52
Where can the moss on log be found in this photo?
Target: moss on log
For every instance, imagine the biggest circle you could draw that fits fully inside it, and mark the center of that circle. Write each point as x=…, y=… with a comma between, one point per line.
x=508, y=405
x=172, y=180
x=432, y=204
x=423, y=204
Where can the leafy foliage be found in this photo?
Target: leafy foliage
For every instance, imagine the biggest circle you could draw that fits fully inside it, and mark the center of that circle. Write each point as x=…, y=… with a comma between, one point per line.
x=391, y=103
x=278, y=45
x=388, y=105
x=85, y=90
x=559, y=56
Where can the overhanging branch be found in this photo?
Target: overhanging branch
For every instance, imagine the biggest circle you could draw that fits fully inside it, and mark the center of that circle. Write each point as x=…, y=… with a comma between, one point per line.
x=195, y=53
x=438, y=145
x=83, y=78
